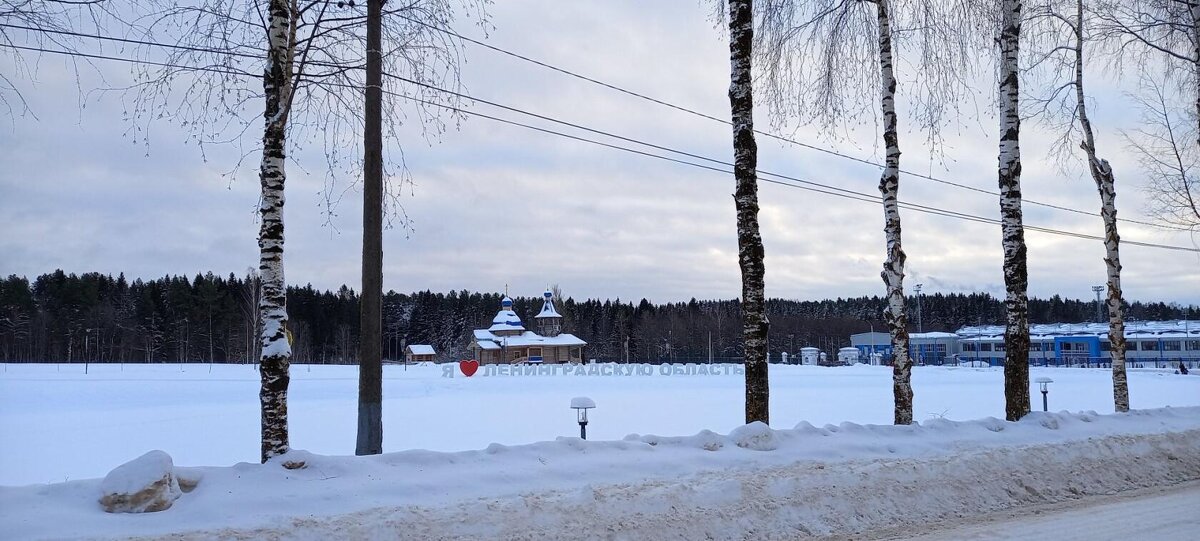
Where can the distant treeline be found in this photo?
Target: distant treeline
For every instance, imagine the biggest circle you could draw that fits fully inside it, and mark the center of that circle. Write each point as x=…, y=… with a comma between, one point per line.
x=61, y=317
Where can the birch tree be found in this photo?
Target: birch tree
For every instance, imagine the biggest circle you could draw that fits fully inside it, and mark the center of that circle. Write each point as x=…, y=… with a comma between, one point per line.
x=26, y=25
x=1159, y=40
x=312, y=85
x=1012, y=228
x=276, y=346
x=1169, y=161
x=750, y=246
x=821, y=61
x=1060, y=38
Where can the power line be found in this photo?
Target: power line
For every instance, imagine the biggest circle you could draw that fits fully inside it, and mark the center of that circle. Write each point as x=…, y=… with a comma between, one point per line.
x=778, y=179
x=618, y=89
x=137, y=41
x=791, y=182
x=775, y=136
x=611, y=87
x=212, y=69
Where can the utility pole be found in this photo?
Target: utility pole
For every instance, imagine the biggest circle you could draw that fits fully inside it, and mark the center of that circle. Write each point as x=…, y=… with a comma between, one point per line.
x=920, y=326
x=370, y=361
x=1099, y=307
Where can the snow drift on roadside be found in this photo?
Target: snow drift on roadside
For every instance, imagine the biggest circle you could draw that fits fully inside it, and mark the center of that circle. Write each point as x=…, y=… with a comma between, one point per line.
x=773, y=483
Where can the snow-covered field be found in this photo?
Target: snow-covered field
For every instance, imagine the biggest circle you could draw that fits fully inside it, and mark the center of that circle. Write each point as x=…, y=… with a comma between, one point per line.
x=59, y=424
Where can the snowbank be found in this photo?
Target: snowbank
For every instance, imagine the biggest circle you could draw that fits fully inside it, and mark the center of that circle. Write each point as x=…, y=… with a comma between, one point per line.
x=756, y=481
x=49, y=413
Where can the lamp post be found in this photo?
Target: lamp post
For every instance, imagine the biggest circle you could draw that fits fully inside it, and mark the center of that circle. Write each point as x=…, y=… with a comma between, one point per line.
x=581, y=405
x=1099, y=310
x=920, y=327
x=1044, y=384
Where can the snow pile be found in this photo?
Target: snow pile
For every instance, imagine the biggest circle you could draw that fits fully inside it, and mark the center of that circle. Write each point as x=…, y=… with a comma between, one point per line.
x=771, y=483
x=143, y=485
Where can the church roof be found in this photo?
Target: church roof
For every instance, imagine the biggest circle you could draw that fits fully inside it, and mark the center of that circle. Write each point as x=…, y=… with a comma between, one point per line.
x=547, y=306
x=506, y=319
x=487, y=340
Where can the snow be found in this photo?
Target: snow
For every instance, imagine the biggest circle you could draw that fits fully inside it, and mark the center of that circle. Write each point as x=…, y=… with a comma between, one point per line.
x=49, y=413
x=934, y=335
x=421, y=349
x=582, y=402
x=527, y=338
x=138, y=473
x=506, y=320
x=548, y=306
x=1133, y=329
x=709, y=483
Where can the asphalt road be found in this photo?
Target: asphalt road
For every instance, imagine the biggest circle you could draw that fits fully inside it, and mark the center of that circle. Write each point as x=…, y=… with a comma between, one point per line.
x=1171, y=514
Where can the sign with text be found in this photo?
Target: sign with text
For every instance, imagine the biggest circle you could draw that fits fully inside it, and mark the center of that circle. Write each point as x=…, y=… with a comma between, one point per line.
x=472, y=368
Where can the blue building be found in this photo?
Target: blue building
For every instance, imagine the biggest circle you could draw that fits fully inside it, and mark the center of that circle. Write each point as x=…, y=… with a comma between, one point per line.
x=923, y=348
x=1148, y=344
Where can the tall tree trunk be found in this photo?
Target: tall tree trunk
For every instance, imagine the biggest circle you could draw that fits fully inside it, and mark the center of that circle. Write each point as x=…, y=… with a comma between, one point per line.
x=370, y=361
x=893, y=267
x=276, y=351
x=750, y=247
x=1016, y=272
x=1195, y=12
x=1106, y=184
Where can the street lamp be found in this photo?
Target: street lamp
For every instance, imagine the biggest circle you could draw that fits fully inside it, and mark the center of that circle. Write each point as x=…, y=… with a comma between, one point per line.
x=1044, y=383
x=581, y=405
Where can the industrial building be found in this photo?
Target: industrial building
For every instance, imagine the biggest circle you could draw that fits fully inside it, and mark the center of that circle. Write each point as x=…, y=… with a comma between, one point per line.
x=1148, y=343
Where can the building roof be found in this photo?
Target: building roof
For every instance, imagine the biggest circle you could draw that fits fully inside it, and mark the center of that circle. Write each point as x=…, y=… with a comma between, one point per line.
x=932, y=335
x=547, y=306
x=421, y=349
x=527, y=338
x=506, y=319
x=1047, y=331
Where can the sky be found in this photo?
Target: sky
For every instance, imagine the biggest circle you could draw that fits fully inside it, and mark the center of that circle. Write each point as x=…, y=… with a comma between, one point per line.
x=495, y=206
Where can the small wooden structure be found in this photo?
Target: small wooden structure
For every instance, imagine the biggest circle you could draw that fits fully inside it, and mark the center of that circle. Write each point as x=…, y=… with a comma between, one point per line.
x=416, y=353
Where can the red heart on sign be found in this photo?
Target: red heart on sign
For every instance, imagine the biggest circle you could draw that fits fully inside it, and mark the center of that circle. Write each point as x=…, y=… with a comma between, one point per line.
x=468, y=367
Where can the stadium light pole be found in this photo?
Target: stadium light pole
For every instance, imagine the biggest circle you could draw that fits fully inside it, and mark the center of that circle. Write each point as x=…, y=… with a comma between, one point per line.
x=920, y=326
x=1099, y=311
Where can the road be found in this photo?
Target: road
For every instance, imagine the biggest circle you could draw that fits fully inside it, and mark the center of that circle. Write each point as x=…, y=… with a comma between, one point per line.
x=1161, y=514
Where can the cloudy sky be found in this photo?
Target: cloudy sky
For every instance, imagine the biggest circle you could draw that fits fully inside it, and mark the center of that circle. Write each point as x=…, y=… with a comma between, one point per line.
x=495, y=204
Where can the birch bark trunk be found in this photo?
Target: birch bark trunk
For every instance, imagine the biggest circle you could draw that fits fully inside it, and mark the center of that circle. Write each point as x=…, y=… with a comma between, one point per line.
x=750, y=247
x=1016, y=272
x=893, y=267
x=1106, y=184
x=276, y=351
x=1194, y=6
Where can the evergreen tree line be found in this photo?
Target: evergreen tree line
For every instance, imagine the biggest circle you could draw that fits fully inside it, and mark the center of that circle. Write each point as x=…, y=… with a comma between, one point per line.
x=60, y=317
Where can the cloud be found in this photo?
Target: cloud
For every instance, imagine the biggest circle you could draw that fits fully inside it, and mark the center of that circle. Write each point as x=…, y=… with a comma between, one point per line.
x=495, y=204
